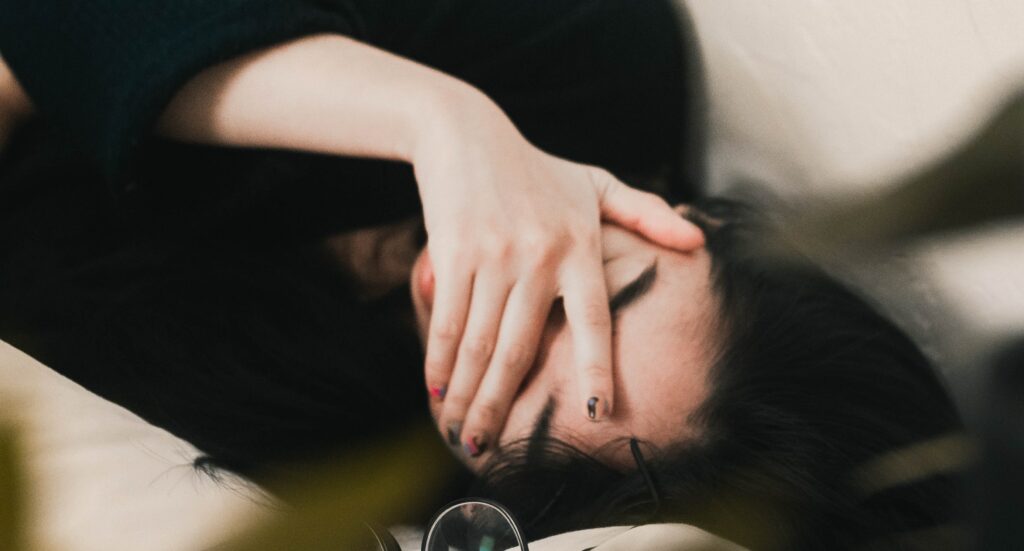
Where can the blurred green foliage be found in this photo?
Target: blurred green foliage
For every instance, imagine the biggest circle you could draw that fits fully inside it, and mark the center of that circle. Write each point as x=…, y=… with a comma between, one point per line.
x=329, y=503
x=12, y=512
x=981, y=181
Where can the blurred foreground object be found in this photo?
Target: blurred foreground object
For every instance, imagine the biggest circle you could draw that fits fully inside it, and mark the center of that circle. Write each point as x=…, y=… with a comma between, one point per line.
x=974, y=193
x=12, y=503
x=333, y=505
x=999, y=489
x=982, y=181
x=471, y=524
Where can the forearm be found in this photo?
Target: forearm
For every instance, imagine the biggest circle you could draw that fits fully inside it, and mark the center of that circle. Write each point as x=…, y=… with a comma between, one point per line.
x=328, y=94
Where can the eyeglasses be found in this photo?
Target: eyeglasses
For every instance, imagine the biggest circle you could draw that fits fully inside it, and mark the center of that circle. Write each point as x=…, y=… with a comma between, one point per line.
x=465, y=525
x=641, y=464
x=476, y=524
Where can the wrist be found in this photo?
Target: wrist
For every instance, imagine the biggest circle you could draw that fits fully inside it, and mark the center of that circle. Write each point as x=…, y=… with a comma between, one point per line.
x=452, y=115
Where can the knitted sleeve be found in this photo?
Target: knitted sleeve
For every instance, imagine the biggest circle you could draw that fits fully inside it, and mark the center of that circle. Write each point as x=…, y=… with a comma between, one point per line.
x=100, y=72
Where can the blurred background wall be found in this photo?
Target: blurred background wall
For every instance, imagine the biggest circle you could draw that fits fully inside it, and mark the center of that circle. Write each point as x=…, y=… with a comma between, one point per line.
x=813, y=96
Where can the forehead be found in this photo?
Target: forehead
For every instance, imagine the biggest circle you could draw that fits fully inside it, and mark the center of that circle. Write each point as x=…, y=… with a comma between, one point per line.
x=663, y=350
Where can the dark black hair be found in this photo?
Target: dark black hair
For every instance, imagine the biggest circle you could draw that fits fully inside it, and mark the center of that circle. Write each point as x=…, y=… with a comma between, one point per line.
x=811, y=388
x=229, y=327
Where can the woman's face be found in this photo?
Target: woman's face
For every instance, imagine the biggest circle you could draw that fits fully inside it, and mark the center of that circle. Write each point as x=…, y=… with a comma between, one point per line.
x=662, y=346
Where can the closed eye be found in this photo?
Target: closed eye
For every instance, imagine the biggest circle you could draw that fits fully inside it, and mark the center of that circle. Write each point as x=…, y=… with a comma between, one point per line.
x=634, y=290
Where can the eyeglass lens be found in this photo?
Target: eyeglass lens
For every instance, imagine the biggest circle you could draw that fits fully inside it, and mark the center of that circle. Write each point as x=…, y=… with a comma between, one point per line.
x=473, y=526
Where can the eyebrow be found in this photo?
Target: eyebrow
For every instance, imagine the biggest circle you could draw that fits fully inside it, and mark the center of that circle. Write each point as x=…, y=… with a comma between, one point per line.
x=541, y=429
x=635, y=289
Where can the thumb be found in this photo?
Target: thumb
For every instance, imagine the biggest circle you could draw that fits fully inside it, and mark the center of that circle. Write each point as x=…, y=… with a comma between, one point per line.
x=646, y=214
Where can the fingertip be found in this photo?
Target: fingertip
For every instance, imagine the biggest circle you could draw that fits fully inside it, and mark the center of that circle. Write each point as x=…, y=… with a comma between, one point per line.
x=689, y=236
x=671, y=230
x=438, y=391
x=598, y=407
x=596, y=397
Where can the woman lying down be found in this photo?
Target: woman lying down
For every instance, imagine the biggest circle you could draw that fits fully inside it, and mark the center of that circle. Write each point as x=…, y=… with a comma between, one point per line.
x=422, y=209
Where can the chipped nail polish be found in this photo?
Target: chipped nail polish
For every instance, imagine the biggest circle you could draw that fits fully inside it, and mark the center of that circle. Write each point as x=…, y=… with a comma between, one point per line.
x=438, y=392
x=475, y=446
x=453, y=434
x=592, y=408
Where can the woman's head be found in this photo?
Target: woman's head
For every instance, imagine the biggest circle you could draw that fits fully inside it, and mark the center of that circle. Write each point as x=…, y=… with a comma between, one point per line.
x=662, y=307
x=781, y=385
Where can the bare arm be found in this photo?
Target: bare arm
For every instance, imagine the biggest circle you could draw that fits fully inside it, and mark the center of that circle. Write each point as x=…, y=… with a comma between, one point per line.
x=325, y=93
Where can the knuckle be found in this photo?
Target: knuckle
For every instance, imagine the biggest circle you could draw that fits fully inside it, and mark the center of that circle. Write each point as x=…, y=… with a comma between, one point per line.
x=462, y=256
x=600, y=175
x=544, y=256
x=436, y=372
x=455, y=405
x=476, y=347
x=445, y=330
x=595, y=314
x=516, y=356
x=448, y=257
x=605, y=182
x=505, y=252
x=487, y=413
x=496, y=247
x=532, y=241
x=584, y=235
x=595, y=372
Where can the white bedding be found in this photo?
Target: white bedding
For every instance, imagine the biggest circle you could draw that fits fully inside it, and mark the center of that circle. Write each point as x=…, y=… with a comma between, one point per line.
x=100, y=478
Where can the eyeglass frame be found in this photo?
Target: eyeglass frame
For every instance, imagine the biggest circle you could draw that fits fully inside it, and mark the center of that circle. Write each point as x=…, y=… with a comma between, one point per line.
x=502, y=510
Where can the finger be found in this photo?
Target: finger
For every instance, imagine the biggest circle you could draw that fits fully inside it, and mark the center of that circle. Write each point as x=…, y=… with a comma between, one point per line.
x=649, y=215
x=474, y=352
x=585, y=299
x=451, y=306
x=521, y=328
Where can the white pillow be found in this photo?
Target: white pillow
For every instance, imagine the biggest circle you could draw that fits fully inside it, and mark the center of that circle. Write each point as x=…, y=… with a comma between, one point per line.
x=651, y=537
x=100, y=478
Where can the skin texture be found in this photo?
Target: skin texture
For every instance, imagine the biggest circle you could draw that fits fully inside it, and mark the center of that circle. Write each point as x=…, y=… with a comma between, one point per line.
x=662, y=347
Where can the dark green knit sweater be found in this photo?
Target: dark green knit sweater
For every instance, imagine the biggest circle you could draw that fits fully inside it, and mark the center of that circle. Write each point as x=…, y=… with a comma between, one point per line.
x=100, y=71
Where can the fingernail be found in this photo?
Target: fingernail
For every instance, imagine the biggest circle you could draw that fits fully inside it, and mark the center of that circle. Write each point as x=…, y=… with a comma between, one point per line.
x=592, y=408
x=454, y=430
x=475, y=446
x=438, y=392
